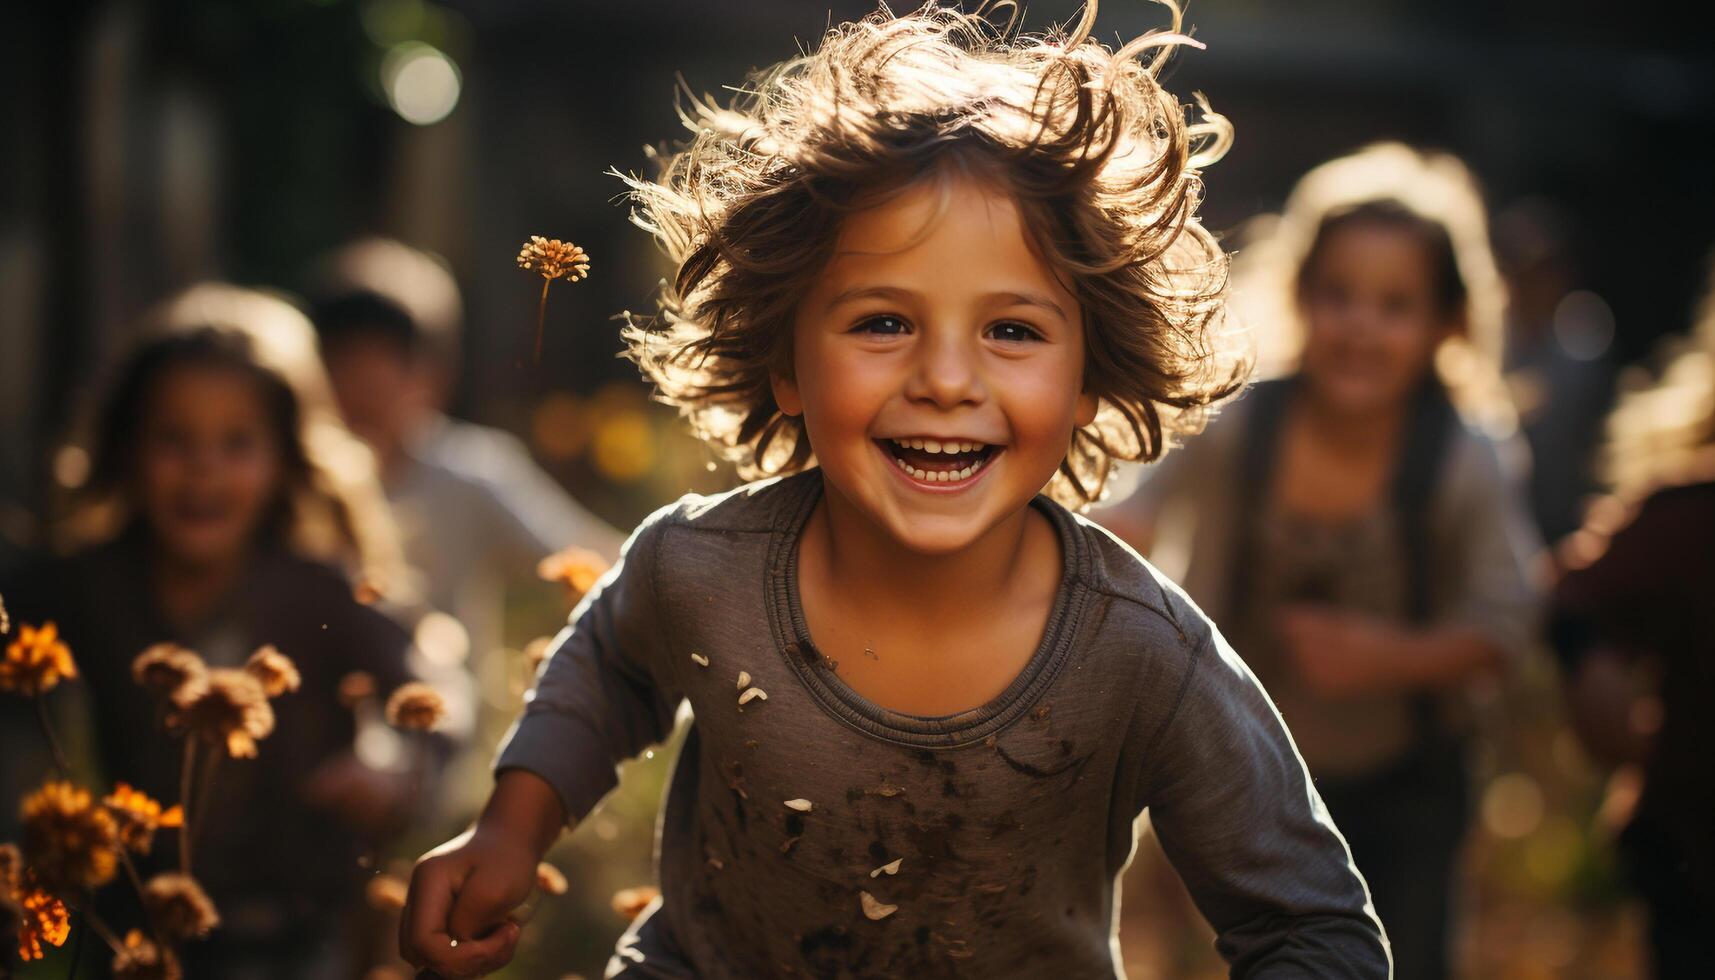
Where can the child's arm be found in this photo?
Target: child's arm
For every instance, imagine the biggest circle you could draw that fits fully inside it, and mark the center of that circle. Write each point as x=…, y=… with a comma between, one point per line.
x=596, y=703
x=1237, y=815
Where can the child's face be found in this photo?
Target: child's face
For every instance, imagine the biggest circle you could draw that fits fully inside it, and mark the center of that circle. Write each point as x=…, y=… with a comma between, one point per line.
x=936, y=323
x=208, y=462
x=381, y=389
x=1371, y=317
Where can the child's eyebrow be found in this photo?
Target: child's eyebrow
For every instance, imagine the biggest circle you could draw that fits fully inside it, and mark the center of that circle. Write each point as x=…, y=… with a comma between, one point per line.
x=998, y=299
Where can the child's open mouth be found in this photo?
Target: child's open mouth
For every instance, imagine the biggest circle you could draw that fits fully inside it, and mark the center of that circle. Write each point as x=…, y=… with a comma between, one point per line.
x=938, y=460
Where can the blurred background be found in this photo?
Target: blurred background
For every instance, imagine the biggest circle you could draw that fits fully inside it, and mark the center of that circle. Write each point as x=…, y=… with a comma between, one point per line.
x=151, y=145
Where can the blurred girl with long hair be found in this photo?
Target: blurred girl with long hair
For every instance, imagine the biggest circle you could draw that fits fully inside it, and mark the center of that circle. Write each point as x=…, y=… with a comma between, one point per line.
x=1350, y=523
x=225, y=509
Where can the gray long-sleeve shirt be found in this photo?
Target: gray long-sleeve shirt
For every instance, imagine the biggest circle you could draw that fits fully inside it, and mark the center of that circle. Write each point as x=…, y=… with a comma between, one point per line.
x=1010, y=822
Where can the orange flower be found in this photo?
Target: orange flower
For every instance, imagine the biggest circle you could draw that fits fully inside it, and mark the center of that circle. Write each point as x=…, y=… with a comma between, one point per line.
x=276, y=671
x=71, y=842
x=630, y=902
x=179, y=906
x=141, y=959
x=165, y=667
x=578, y=569
x=415, y=707
x=36, y=661
x=35, y=917
x=554, y=259
x=228, y=707
x=550, y=879
x=139, y=817
x=356, y=688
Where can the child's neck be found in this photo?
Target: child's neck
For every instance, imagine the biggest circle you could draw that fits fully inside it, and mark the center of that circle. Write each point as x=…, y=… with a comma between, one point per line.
x=188, y=592
x=1352, y=433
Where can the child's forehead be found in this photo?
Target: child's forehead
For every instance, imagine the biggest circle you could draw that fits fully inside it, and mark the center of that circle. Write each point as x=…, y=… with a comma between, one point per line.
x=956, y=221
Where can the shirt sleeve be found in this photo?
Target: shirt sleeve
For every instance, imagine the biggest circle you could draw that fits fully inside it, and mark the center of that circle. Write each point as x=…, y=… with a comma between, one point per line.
x=596, y=701
x=1239, y=818
x=1489, y=584
x=532, y=512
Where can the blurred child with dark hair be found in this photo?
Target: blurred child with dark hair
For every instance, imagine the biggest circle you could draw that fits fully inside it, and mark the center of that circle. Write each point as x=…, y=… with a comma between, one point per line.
x=227, y=510
x=1634, y=624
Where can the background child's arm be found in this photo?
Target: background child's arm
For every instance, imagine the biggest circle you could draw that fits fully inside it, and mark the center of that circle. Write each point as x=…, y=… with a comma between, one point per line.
x=1237, y=815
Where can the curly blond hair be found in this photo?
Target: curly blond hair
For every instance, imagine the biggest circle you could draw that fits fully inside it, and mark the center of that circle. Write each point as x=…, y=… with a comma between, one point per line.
x=1102, y=161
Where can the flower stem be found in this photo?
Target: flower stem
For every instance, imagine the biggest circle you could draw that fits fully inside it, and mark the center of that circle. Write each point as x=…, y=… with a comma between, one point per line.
x=541, y=312
x=185, y=804
x=205, y=791
x=52, y=739
x=131, y=872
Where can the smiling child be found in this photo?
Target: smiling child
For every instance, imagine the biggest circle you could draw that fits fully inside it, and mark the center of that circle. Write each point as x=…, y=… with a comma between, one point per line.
x=924, y=273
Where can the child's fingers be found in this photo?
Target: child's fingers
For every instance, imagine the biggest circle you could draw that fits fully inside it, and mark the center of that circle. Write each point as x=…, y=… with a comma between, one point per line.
x=423, y=925
x=471, y=957
x=483, y=902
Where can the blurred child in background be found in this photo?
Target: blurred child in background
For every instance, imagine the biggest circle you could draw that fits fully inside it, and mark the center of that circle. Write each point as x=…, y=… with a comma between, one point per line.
x=1633, y=620
x=227, y=509
x=1366, y=549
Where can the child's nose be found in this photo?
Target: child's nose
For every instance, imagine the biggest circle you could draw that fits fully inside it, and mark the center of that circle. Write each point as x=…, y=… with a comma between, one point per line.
x=947, y=372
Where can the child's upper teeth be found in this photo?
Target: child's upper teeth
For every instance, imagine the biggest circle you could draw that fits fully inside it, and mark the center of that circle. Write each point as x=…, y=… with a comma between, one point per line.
x=931, y=446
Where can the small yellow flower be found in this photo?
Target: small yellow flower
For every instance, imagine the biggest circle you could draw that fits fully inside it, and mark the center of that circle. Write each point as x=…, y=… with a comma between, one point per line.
x=276, y=671
x=415, y=707
x=179, y=906
x=141, y=959
x=36, y=661
x=228, y=707
x=139, y=817
x=554, y=259
x=71, y=842
x=165, y=667
x=578, y=569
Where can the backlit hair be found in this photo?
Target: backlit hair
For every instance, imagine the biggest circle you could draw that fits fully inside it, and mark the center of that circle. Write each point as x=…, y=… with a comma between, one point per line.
x=1102, y=162
x=1432, y=194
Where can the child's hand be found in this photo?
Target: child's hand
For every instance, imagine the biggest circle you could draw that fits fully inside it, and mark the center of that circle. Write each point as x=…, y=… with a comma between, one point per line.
x=1338, y=654
x=455, y=924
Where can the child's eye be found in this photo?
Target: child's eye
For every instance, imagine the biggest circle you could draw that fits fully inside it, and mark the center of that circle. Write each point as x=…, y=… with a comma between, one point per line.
x=885, y=325
x=1013, y=333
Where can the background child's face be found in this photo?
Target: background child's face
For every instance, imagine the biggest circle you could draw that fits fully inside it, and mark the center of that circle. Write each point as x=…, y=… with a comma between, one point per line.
x=1372, y=322
x=381, y=388
x=208, y=462
x=936, y=323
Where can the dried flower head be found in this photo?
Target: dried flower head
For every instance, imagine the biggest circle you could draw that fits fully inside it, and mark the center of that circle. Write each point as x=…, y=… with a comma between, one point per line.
x=630, y=902
x=36, y=661
x=165, y=667
x=179, y=907
x=356, y=688
x=5, y=620
x=276, y=672
x=578, y=569
x=550, y=879
x=227, y=707
x=554, y=259
x=386, y=893
x=139, y=817
x=31, y=915
x=71, y=842
x=141, y=959
x=415, y=707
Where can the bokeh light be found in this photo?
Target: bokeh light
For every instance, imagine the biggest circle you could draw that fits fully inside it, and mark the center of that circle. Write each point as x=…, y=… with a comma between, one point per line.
x=421, y=82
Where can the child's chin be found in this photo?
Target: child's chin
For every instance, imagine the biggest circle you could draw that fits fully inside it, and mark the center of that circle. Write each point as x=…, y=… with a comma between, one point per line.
x=937, y=535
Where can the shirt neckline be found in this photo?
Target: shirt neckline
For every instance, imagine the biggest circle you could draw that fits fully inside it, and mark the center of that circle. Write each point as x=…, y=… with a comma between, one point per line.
x=793, y=641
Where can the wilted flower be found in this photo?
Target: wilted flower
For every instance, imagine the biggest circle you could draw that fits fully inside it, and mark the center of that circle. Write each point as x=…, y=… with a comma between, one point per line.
x=228, y=707
x=578, y=569
x=550, y=879
x=386, y=893
x=630, y=902
x=36, y=660
x=165, y=667
x=179, y=906
x=355, y=688
x=274, y=669
x=139, y=817
x=554, y=259
x=71, y=843
x=415, y=707
x=141, y=959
